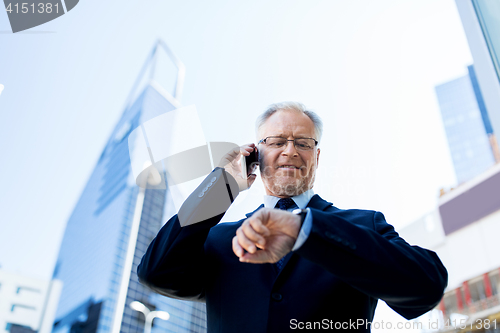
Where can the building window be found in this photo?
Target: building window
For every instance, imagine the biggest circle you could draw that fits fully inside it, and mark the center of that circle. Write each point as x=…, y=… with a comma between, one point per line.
x=19, y=289
x=495, y=281
x=477, y=291
x=15, y=306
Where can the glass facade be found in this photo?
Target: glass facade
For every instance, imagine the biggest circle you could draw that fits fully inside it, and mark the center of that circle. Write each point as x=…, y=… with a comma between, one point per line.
x=481, y=21
x=92, y=255
x=467, y=126
x=480, y=100
x=488, y=14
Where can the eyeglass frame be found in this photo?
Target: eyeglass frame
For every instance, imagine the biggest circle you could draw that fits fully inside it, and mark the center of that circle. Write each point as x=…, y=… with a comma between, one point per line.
x=280, y=137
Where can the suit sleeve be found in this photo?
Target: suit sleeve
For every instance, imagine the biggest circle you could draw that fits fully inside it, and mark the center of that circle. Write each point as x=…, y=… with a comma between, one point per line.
x=175, y=264
x=376, y=261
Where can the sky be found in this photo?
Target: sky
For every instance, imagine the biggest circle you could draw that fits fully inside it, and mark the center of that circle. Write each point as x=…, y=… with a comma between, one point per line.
x=368, y=68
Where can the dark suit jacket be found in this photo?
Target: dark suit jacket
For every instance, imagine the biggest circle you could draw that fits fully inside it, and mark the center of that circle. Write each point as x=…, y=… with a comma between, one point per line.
x=351, y=259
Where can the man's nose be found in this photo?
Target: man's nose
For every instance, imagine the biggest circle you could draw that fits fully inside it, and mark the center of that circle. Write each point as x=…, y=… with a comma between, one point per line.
x=290, y=149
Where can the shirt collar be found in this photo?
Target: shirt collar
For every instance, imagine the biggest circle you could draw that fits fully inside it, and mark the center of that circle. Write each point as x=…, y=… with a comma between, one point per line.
x=300, y=200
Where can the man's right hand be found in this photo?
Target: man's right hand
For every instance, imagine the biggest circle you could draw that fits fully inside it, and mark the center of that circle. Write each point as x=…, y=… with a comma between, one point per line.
x=267, y=236
x=231, y=162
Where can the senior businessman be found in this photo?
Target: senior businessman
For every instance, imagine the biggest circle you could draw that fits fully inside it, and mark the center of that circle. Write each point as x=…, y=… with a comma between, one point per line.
x=295, y=262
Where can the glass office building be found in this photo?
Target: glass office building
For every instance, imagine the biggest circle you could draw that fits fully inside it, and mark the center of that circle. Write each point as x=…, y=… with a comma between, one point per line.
x=92, y=259
x=481, y=22
x=467, y=126
x=488, y=14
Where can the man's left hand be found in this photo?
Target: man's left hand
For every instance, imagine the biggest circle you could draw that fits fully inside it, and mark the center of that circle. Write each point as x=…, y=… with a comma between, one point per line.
x=267, y=236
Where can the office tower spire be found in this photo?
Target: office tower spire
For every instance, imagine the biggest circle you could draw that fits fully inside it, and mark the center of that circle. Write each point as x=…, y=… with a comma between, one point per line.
x=112, y=225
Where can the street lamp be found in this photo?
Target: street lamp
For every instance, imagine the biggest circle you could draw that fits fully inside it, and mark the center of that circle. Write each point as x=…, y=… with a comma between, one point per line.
x=150, y=315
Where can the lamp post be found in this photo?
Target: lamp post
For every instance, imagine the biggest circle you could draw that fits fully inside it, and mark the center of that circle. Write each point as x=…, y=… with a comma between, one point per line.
x=148, y=314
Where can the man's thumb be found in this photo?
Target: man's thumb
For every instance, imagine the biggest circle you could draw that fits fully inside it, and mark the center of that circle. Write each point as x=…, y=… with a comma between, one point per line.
x=251, y=179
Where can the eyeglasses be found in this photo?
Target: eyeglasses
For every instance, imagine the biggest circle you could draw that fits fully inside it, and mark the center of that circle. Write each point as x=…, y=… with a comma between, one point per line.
x=277, y=142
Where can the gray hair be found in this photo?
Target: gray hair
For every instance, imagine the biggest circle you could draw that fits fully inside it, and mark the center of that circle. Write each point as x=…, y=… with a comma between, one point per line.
x=318, y=124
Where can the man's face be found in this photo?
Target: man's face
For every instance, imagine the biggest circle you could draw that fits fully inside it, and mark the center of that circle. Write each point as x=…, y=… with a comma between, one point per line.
x=287, y=171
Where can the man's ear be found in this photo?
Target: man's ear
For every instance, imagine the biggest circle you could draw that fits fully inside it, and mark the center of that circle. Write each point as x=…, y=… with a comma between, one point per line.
x=317, y=158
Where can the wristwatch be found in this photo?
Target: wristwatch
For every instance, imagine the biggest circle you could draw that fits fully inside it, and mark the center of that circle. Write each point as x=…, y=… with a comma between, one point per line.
x=302, y=213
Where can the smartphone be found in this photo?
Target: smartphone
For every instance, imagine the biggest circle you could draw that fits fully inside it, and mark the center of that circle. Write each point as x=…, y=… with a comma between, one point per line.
x=249, y=163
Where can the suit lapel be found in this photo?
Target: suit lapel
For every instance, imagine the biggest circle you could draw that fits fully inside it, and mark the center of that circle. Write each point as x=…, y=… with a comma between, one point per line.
x=317, y=202
x=251, y=213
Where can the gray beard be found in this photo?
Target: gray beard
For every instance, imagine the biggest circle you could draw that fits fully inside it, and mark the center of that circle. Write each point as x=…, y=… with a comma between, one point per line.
x=291, y=189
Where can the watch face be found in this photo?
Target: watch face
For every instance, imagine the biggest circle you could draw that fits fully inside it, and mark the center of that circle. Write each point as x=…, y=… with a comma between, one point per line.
x=299, y=211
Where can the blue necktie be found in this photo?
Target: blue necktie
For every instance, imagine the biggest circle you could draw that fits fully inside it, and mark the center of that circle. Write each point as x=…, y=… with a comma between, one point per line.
x=284, y=204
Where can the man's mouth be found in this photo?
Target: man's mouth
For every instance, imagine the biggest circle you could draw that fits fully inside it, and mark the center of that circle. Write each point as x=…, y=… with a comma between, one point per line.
x=288, y=167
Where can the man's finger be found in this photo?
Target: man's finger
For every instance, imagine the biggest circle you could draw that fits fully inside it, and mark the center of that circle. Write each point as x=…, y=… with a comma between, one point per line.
x=260, y=228
x=251, y=178
x=244, y=242
x=262, y=216
x=234, y=153
x=237, y=249
x=251, y=234
x=247, y=149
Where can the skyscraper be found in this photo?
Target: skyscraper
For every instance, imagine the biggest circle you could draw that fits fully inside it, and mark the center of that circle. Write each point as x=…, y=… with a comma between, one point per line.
x=109, y=231
x=481, y=22
x=467, y=126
